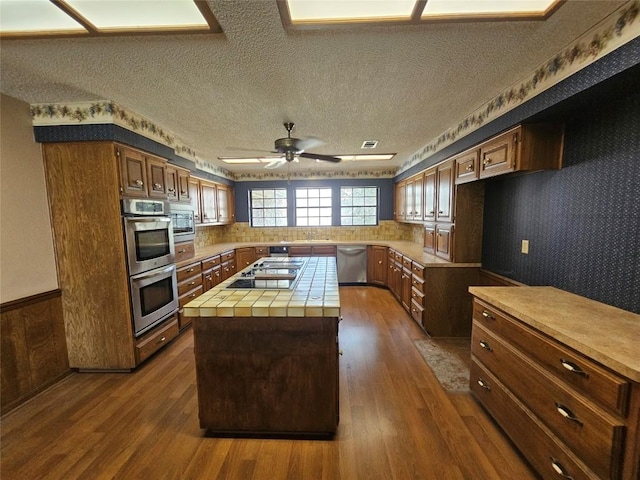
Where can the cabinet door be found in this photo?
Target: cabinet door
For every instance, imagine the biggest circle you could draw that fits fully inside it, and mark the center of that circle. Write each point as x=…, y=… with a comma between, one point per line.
x=184, y=186
x=377, y=265
x=172, y=184
x=429, y=186
x=444, y=241
x=408, y=200
x=430, y=238
x=418, y=199
x=405, y=288
x=194, y=197
x=157, y=177
x=209, y=200
x=400, y=202
x=133, y=172
x=444, y=202
x=467, y=167
x=498, y=155
x=223, y=204
x=245, y=256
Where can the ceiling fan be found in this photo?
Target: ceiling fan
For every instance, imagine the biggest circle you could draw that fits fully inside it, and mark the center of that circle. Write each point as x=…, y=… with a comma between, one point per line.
x=292, y=148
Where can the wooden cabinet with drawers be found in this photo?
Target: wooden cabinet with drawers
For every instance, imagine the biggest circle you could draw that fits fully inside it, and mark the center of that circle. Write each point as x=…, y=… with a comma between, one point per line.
x=211, y=272
x=189, y=287
x=149, y=344
x=569, y=414
x=245, y=256
x=227, y=264
x=312, y=251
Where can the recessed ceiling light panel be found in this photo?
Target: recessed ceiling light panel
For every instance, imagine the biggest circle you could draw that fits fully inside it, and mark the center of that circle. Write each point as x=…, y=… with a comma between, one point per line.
x=323, y=10
x=35, y=16
x=446, y=8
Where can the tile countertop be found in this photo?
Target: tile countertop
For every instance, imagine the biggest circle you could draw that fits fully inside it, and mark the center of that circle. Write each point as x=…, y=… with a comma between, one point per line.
x=607, y=334
x=410, y=249
x=315, y=294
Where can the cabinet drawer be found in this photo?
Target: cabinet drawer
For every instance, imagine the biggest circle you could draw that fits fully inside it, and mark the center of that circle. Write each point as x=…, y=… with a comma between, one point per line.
x=417, y=296
x=228, y=255
x=211, y=262
x=406, y=262
x=185, y=251
x=593, y=435
x=418, y=270
x=300, y=251
x=148, y=345
x=608, y=389
x=324, y=250
x=417, y=283
x=397, y=257
x=262, y=252
x=189, y=284
x=536, y=443
x=188, y=271
x=187, y=297
x=416, y=312
x=392, y=254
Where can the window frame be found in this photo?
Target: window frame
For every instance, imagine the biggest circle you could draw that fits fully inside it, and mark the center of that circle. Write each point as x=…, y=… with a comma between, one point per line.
x=364, y=205
x=253, y=208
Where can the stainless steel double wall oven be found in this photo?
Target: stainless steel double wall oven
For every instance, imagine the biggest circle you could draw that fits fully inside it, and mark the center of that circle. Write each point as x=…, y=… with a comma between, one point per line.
x=149, y=241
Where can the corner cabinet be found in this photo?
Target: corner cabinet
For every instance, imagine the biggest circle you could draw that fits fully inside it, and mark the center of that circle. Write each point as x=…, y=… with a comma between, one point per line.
x=566, y=407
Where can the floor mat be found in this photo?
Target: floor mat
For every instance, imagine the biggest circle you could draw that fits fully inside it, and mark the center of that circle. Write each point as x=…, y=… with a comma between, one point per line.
x=449, y=360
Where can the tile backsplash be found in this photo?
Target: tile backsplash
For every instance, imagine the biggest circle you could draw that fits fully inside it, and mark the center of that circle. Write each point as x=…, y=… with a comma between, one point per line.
x=242, y=232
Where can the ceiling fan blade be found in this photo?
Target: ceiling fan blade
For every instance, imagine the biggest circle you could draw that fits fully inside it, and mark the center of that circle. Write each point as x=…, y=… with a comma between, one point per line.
x=317, y=156
x=275, y=163
x=308, y=143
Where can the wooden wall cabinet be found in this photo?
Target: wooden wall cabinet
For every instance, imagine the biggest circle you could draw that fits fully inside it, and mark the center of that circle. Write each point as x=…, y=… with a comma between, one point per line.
x=209, y=200
x=377, y=265
x=213, y=203
x=400, y=201
x=527, y=147
x=467, y=166
x=178, y=184
x=141, y=175
x=194, y=198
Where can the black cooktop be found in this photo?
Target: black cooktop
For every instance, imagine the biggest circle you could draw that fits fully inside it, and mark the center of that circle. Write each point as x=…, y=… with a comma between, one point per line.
x=263, y=284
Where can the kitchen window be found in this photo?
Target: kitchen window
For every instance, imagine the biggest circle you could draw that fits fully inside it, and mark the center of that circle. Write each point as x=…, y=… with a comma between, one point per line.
x=268, y=207
x=359, y=206
x=313, y=207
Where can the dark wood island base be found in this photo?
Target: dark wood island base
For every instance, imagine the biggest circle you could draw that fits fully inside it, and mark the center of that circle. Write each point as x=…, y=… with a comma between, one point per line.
x=267, y=376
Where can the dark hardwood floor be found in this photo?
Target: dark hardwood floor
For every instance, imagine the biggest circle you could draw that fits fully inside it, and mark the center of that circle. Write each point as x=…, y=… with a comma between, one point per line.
x=396, y=422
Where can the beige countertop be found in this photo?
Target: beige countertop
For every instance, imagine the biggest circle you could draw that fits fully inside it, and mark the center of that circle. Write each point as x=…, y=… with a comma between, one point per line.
x=607, y=334
x=314, y=294
x=409, y=249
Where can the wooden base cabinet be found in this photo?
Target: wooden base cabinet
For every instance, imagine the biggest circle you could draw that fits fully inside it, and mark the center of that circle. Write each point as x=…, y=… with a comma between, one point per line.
x=569, y=415
x=377, y=265
x=267, y=375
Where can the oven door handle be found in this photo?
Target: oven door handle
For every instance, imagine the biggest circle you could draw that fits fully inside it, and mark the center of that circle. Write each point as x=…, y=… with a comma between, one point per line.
x=154, y=273
x=148, y=219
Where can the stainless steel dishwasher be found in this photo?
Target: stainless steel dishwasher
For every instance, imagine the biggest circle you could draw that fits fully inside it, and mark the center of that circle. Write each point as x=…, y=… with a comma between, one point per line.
x=352, y=264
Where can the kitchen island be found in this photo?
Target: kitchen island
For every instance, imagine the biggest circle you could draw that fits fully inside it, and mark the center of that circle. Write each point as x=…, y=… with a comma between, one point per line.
x=266, y=350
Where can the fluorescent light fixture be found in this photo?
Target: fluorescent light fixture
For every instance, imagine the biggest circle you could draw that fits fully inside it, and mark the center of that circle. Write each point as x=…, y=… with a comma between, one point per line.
x=139, y=14
x=349, y=10
x=35, y=16
x=247, y=160
x=367, y=157
x=444, y=8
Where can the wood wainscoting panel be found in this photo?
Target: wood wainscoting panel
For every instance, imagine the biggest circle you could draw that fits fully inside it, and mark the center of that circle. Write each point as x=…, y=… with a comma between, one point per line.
x=34, y=350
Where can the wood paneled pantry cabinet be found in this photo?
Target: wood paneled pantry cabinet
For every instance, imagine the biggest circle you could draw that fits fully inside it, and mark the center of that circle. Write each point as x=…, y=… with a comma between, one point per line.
x=85, y=182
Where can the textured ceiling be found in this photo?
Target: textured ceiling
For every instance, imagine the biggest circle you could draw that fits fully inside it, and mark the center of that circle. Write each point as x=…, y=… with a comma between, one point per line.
x=401, y=85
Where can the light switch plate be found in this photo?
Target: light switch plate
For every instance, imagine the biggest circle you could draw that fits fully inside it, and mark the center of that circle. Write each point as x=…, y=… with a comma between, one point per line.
x=525, y=247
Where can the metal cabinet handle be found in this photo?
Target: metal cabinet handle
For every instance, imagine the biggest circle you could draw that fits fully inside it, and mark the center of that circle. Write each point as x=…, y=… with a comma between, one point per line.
x=568, y=414
x=487, y=315
x=469, y=168
x=139, y=183
x=157, y=186
x=160, y=340
x=183, y=251
x=182, y=192
x=486, y=346
x=484, y=384
x=189, y=270
x=170, y=190
x=559, y=469
x=573, y=368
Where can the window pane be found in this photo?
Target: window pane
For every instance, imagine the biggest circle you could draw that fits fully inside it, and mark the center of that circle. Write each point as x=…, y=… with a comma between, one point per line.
x=364, y=203
x=313, y=206
x=266, y=205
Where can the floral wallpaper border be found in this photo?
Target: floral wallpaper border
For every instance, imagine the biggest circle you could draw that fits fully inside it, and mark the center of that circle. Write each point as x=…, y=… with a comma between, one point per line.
x=613, y=32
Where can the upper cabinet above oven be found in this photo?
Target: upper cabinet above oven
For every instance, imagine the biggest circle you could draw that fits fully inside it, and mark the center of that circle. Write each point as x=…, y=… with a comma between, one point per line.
x=141, y=175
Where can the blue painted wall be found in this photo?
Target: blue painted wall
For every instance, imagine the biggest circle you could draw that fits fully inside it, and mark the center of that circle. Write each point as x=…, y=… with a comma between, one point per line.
x=385, y=201
x=583, y=222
